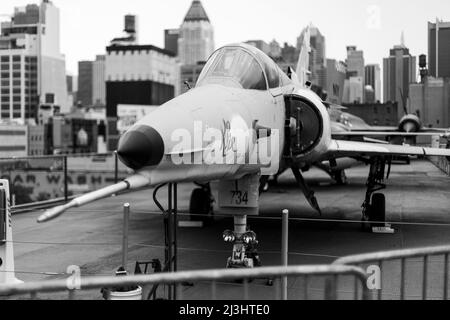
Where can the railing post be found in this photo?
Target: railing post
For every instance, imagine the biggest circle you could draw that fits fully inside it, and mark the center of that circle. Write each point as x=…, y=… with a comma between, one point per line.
x=126, y=218
x=66, y=195
x=284, y=251
x=116, y=168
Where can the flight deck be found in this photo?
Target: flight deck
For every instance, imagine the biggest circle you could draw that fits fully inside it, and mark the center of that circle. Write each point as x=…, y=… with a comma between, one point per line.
x=91, y=236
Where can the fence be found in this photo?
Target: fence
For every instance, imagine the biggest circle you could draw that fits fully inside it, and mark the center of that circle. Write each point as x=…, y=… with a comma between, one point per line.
x=442, y=163
x=214, y=279
x=428, y=267
x=36, y=180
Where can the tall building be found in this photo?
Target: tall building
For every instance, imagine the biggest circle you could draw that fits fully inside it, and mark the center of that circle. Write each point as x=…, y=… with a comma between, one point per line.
x=439, y=49
x=32, y=68
x=354, y=90
x=275, y=49
x=260, y=44
x=373, y=79
x=137, y=75
x=431, y=101
x=355, y=62
x=336, y=74
x=318, y=60
x=190, y=74
x=290, y=54
x=196, y=41
x=354, y=84
x=91, y=82
x=85, y=75
x=171, y=37
x=399, y=71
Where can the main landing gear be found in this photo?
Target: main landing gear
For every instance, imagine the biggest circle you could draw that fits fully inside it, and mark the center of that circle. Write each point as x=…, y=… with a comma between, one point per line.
x=340, y=177
x=374, y=206
x=245, y=254
x=201, y=203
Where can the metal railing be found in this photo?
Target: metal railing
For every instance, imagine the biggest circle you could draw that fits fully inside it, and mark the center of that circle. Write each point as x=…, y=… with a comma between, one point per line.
x=442, y=163
x=212, y=278
x=58, y=172
x=381, y=259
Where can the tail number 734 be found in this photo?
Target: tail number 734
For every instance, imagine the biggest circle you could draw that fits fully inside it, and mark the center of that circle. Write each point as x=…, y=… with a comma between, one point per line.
x=239, y=197
x=242, y=193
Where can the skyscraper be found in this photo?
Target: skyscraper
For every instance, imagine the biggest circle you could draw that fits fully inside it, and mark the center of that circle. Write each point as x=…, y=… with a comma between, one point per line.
x=355, y=62
x=275, y=49
x=317, y=61
x=373, y=79
x=439, y=49
x=399, y=72
x=171, y=37
x=91, y=82
x=196, y=41
x=32, y=68
x=336, y=73
x=260, y=44
x=354, y=85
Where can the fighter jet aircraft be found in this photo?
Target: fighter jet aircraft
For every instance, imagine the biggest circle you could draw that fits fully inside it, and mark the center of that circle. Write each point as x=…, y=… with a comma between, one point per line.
x=353, y=126
x=244, y=119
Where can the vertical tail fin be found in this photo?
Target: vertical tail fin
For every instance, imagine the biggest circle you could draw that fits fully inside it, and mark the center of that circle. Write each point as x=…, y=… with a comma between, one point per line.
x=302, y=70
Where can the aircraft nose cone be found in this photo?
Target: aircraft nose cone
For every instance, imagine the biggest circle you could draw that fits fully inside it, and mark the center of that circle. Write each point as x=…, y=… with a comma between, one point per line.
x=141, y=147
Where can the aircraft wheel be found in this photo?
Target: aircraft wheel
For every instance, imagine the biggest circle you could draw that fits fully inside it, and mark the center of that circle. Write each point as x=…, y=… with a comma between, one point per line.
x=273, y=181
x=376, y=212
x=378, y=207
x=341, y=178
x=200, y=205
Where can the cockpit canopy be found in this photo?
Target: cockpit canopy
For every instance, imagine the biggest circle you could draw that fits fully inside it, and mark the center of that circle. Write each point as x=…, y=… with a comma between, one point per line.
x=241, y=66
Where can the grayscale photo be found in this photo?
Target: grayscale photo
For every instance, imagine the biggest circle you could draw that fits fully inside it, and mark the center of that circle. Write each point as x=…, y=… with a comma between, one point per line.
x=225, y=157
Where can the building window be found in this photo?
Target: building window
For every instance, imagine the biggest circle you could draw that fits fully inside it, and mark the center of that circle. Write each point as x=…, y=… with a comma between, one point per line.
x=5, y=59
x=16, y=58
x=16, y=75
x=5, y=75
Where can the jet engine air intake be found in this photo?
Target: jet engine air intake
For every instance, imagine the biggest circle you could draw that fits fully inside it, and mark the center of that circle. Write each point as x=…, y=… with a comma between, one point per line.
x=304, y=125
x=410, y=123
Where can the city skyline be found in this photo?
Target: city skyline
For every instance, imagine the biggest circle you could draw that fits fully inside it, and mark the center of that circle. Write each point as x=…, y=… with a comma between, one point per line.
x=374, y=19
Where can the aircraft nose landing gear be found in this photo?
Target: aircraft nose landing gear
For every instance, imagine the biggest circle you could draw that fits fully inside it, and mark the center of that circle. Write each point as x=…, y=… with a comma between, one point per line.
x=244, y=242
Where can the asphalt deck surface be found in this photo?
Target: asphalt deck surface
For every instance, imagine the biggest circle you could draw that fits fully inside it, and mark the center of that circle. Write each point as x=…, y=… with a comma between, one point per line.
x=91, y=236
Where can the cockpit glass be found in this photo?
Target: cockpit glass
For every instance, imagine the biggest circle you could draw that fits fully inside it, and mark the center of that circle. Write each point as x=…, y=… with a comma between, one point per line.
x=233, y=67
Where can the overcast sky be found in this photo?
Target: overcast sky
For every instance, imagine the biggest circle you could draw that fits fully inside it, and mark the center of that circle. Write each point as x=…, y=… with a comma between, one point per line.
x=373, y=25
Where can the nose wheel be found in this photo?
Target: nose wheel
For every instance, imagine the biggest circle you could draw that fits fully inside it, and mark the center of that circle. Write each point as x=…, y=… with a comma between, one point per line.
x=244, y=254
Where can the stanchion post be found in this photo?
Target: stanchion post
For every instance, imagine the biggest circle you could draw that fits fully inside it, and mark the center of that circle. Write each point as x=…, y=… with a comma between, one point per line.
x=126, y=219
x=284, y=251
x=116, y=167
x=66, y=195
